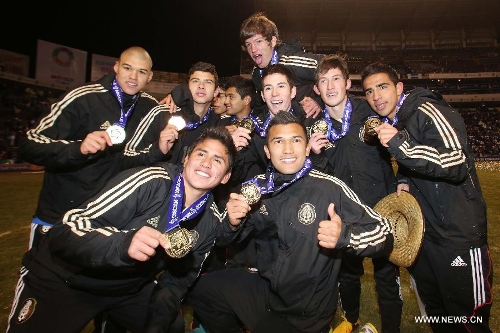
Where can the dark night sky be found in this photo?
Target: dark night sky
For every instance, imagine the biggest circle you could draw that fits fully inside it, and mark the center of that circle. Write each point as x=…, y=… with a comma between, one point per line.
x=175, y=33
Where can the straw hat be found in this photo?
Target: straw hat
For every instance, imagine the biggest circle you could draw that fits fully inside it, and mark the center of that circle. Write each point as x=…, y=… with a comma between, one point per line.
x=407, y=221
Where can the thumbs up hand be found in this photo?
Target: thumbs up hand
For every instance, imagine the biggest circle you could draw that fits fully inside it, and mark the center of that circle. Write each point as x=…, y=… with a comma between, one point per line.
x=329, y=230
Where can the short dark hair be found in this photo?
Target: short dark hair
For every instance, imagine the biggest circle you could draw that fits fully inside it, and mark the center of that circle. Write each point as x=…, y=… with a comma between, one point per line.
x=332, y=61
x=244, y=87
x=221, y=134
x=285, y=118
x=379, y=67
x=223, y=82
x=256, y=24
x=201, y=66
x=279, y=69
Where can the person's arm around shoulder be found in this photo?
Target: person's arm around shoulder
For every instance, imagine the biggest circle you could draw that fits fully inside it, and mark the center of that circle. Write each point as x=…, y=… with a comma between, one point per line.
x=310, y=107
x=168, y=101
x=177, y=98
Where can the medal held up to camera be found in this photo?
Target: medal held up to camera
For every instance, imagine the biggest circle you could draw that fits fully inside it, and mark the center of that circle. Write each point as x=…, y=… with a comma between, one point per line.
x=178, y=122
x=369, y=134
x=247, y=123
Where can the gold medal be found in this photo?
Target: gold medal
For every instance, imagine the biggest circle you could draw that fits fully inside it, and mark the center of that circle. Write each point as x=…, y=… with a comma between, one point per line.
x=247, y=123
x=320, y=126
x=369, y=128
x=251, y=192
x=181, y=242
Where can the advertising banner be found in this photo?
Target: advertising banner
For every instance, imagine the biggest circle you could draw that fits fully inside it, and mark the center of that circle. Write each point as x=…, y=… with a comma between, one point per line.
x=14, y=63
x=60, y=64
x=101, y=65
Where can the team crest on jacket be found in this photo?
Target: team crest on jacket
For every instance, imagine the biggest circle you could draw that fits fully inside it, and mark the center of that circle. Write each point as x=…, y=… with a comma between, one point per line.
x=263, y=210
x=26, y=311
x=307, y=214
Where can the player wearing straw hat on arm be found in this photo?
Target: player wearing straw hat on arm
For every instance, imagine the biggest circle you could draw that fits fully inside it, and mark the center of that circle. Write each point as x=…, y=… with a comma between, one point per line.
x=428, y=138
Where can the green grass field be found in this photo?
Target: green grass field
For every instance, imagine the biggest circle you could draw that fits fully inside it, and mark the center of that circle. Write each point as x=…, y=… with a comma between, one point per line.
x=18, y=196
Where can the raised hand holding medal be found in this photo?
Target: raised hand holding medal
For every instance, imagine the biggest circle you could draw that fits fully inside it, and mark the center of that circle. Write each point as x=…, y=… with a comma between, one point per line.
x=251, y=192
x=178, y=122
x=247, y=123
x=319, y=126
x=116, y=134
x=369, y=134
x=181, y=242
x=170, y=133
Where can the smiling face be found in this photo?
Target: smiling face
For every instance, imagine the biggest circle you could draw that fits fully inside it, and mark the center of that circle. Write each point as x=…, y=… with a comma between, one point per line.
x=277, y=93
x=260, y=49
x=332, y=87
x=382, y=94
x=287, y=147
x=206, y=166
x=133, y=70
x=235, y=105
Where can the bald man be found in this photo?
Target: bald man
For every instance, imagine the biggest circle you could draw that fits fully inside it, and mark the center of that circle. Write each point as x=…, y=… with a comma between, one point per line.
x=81, y=140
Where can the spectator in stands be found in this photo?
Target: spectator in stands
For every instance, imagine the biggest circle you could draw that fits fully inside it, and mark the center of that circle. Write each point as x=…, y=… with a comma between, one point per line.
x=110, y=261
x=428, y=139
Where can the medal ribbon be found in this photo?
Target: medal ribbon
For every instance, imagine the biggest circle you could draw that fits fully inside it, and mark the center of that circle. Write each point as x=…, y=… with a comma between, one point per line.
x=332, y=134
x=234, y=121
x=269, y=188
x=192, y=126
x=261, y=130
x=118, y=92
x=398, y=106
x=175, y=213
x=274, y=61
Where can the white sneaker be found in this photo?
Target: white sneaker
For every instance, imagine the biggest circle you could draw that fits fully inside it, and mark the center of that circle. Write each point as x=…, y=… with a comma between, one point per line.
x=368, y=328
